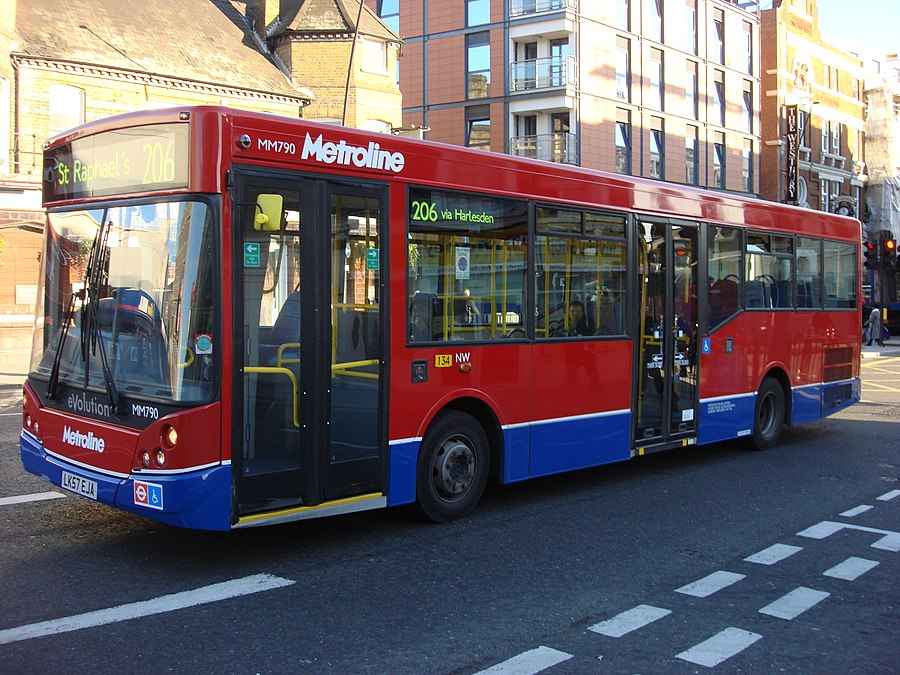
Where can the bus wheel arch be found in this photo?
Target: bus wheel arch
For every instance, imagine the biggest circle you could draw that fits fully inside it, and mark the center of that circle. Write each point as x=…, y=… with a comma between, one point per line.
x=458, y=450
x=772, y=410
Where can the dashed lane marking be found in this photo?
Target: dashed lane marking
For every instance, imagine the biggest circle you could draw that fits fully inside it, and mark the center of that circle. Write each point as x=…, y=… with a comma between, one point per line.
x=856, y=511
x=890, y=541
x=528, y=663
x=166, y=603
x=773, y=554
x=703, y=588
x=851, y=569
x=793, y=604
x=630, y=620
x=719, y=647
x=888, y=496
x=22, y=499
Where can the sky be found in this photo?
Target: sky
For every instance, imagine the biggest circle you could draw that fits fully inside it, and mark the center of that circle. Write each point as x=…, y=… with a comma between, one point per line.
x=868, y=27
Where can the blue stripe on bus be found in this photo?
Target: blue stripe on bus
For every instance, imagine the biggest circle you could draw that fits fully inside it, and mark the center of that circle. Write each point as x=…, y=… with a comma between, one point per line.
x=806, y=404
x=579, y=442
x=726, y=417
x=199, y=499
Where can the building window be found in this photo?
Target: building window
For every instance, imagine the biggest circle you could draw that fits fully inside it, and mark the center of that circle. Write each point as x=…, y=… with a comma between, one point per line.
x=719, y=98
x=374, y=56
x=748, y=107
x=719, y=161
x=478, y=12
x=835, y=138
x=717, y=39
x=747, y=165
x=825, y=195
x=389, y=11
x=478, y=127
x=623, y=141
x=657, y=149
x=826, y=135
x=691, y=156
x=690, y=26
x=748, y=47
x=622, y=16
x=623, y=69
x=66, y=108
x=559, y=62
x=690, y=90
x=657, y=84
x=653, y=22
x=478, y=64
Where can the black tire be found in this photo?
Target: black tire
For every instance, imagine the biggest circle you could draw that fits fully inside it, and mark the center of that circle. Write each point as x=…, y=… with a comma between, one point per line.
x=768, y=420
x=453, y=467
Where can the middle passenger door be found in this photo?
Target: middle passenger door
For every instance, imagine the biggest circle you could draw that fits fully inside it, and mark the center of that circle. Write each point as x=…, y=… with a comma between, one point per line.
x=666, y=364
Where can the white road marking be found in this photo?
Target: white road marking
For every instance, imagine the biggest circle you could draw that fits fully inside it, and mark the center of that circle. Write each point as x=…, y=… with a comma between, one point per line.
x=857, y=511
x=773, y=554
x=793, y=604
x=630, y=620
x=890, y=541
x=166, y=603
x=708, y=585
x=528, y=663
x=851, y=569
x=37, y=497
x=888, y=496
x=719, y=647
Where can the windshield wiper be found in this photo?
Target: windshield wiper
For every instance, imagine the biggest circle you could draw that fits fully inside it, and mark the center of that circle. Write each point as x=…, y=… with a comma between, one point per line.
x=91, y=336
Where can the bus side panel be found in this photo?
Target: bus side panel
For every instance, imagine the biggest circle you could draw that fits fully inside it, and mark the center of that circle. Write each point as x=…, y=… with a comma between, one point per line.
x=806, y=404
x=591, y=440
x=402, y=461
x=726, y=417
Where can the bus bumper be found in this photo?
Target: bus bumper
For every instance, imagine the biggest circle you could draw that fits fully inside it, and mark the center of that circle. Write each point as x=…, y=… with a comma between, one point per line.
x=195, y=499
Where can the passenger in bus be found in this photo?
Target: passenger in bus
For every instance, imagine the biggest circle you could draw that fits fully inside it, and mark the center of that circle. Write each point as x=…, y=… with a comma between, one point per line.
x=578, y=322
x=420, y=317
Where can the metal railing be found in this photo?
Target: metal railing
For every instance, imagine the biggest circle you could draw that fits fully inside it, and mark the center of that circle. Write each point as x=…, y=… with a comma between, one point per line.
x=546, y=73
x=556, y=147
x=27, y=154
x=525, y=7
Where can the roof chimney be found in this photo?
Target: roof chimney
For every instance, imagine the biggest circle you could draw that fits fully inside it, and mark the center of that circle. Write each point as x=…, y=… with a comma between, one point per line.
x=261, y=13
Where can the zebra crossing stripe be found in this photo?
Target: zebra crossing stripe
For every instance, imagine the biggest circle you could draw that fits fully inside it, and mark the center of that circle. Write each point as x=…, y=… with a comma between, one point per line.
x=851, y=569
x=719, y=647
x=703, y=588
x=793, y=604
x=773, y=554
x=528, y=663
x=630, y=620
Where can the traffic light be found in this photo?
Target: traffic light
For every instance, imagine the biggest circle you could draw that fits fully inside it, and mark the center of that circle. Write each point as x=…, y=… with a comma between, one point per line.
x=870, y=255
x=889, y=254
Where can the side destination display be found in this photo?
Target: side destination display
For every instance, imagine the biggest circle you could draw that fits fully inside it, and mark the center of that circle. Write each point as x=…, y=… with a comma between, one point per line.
x=141, y=159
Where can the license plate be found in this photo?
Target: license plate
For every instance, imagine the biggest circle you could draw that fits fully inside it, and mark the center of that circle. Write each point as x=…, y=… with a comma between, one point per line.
x=82, y=486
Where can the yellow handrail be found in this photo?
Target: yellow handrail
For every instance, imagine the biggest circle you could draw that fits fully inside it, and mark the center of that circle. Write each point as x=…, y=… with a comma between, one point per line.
x=266, y=370
x=343, y=368
x=287, y=345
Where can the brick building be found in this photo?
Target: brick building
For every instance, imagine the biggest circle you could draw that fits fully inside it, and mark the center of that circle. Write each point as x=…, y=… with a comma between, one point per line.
x=81, y=60
x=666, y=90
x=823, y=85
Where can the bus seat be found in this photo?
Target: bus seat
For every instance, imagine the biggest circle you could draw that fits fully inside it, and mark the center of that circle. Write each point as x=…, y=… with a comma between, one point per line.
x=758, y=296
x=286, y=329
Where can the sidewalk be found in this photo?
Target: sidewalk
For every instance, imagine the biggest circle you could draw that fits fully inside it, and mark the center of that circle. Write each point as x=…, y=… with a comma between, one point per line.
x=14, y=367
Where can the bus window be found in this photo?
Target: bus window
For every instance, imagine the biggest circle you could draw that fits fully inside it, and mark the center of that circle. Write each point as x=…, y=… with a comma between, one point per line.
x=467, y=259
x=841, y=279
x=769, y=270
x=809, y=273
x=725, y=273
x=579, y=273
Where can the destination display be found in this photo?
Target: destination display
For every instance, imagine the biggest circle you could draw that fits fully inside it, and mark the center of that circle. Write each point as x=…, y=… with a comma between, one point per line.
x=436, y=209
x=140, y=159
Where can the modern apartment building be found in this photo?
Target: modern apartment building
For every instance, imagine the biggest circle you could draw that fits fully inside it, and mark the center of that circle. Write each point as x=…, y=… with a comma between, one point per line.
x=666, y=89
x=813, y=114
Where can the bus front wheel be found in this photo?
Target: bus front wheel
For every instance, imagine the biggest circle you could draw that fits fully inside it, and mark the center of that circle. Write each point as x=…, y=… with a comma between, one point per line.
x=453, y=467
x=769, y=418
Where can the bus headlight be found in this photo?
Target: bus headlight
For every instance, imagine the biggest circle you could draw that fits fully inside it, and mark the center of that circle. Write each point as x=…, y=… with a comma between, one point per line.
x=145, y=459
x=160, y=458
x=168, y=437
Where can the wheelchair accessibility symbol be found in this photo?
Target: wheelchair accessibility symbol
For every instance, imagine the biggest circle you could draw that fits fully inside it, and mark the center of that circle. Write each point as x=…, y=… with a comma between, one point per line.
x=706, y=346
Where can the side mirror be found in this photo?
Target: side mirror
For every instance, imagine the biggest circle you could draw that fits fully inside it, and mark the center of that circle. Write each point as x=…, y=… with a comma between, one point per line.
x=268, y=215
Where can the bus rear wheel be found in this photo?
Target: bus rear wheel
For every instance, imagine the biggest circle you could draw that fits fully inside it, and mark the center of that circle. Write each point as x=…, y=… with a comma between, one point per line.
x=769, y=418
x=453, y=466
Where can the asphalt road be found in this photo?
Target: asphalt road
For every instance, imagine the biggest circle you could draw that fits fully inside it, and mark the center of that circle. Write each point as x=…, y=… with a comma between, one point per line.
x=712, y=557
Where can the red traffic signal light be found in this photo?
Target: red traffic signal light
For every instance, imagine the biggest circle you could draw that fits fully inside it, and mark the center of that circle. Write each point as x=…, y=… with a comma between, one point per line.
x=870, y=255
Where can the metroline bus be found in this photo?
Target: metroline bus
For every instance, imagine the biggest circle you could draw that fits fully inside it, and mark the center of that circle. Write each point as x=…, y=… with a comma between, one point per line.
x=245, y=319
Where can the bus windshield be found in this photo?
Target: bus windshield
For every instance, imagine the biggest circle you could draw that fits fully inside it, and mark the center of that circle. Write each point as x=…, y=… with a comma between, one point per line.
x=126, y=301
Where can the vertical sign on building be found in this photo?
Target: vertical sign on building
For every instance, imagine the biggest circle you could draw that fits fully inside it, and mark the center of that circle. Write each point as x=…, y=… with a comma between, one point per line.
x=791, y=173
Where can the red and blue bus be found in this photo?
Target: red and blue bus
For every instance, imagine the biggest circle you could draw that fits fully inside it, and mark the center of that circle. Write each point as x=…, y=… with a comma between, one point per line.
x=245, y=319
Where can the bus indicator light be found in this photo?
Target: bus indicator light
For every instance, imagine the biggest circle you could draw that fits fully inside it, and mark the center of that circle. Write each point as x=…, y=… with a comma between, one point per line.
x=443, y=360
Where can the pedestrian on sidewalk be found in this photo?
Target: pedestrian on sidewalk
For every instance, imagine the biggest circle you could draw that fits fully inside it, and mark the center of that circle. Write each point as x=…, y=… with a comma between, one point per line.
x=874, y=329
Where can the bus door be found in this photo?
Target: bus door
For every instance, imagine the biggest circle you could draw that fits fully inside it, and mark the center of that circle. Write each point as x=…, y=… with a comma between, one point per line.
x=308, y=342
x=666, y=367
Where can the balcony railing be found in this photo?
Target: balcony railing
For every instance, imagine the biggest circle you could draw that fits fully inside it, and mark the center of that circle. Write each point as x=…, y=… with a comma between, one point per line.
x=547, y=73
x=556, y=147
x=525, y=7
x=27, y=155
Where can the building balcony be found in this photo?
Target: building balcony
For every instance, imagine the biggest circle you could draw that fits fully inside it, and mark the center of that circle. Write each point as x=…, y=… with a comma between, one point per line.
x=555, y=72
x=556, y=147
x=519, y=8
